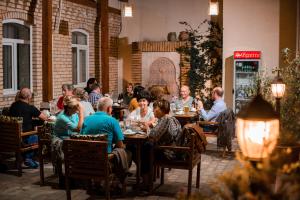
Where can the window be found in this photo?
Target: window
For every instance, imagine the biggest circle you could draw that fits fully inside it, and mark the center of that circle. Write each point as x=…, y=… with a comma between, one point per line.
x=16, y=56
x=79, y=57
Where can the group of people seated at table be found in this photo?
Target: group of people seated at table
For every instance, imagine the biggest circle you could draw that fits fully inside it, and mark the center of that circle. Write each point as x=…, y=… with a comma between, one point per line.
x=77, y=115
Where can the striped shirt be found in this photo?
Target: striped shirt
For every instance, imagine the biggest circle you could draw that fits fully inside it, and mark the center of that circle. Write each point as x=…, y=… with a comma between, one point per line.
x=93, y=98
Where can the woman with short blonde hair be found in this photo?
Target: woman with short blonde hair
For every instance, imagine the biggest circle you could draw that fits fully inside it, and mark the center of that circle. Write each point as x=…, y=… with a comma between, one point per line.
x=83, y=96
x=70, y=119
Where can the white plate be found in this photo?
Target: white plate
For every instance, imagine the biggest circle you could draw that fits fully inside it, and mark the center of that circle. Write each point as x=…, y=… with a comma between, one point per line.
x=129, y=132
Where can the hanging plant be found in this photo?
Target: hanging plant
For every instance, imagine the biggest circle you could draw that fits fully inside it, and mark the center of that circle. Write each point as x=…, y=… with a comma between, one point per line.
x=203, y=51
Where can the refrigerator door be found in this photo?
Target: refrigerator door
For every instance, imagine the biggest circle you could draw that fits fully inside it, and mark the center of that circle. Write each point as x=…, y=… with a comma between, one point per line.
x=245, y=82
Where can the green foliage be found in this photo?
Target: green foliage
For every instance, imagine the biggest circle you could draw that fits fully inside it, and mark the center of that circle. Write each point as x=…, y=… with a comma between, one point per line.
x=203, y=51
x=290, y=104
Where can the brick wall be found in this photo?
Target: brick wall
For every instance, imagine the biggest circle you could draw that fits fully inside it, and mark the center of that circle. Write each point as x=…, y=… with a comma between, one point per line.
x=136, y=60
x=30, y=12
x=73, y=16
x=114, y=21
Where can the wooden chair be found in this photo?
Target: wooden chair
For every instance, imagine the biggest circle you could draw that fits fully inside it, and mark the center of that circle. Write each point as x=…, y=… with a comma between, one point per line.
x=11, y=139
x=195, y=144
x=44, y=149
x=87, y=160
x=209, y=123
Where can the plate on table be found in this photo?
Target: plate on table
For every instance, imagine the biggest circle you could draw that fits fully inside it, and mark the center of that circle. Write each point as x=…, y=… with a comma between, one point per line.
x=179, y=113
x=129, y=132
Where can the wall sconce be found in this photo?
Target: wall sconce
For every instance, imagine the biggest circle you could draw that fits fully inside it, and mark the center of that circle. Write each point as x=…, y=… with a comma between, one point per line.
x=213, y=7
x=128, y=11
x=257, y=129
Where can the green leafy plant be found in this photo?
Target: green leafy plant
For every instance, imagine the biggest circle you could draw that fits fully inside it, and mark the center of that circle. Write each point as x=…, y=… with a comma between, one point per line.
x=290, y=104
x=203, y=51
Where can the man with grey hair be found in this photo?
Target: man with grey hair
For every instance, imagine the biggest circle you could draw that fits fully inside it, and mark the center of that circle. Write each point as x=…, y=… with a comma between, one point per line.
x=103, y=123
x=218, y=107
x=22, y=108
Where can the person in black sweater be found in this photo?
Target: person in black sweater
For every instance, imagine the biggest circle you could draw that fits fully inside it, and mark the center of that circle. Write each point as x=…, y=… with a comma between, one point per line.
x=22, y=108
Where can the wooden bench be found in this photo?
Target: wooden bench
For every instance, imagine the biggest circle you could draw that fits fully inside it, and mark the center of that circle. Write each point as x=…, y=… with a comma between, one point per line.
x=11, y=139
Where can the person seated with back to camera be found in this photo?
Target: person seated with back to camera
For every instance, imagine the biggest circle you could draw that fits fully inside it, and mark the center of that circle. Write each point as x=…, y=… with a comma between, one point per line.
x=95, y=95
x=156, y=93
x=22, y=108
x=185, y=99
x=143, y=114
x=166, y=132
x=83, y=96
x=128, y=95
x=103, y=123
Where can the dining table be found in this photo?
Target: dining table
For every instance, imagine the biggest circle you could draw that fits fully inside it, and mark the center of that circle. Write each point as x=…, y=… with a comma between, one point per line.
x=186, y=117
x=137, y=139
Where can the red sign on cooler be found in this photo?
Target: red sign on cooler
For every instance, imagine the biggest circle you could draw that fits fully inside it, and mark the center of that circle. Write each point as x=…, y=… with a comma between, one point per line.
x=246, y=55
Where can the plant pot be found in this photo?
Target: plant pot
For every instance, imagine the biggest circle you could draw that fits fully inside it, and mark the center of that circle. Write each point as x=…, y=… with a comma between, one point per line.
x=183, y=36
x=172, y=36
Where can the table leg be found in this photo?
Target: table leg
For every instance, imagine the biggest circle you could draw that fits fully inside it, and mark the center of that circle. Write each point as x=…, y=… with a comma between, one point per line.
x=138, y=165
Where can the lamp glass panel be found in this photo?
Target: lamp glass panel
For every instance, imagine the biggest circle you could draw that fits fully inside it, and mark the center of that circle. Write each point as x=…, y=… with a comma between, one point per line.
x=278, y=89
x=257, y=139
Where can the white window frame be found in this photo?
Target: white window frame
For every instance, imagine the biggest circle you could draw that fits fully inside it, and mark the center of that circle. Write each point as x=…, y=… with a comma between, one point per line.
x=78, y=48
x=13, y=43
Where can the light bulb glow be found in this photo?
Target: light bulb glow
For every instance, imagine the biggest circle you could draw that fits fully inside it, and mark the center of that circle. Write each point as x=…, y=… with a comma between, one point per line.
x=213, y=8
x=128, y=11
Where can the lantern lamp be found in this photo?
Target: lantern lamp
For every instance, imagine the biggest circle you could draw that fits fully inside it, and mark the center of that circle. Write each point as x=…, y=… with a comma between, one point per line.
x=257, y=128
x=278, y=87
x=213, y=8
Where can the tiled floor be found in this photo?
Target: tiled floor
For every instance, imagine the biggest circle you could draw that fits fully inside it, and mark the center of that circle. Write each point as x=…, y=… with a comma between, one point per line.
x=27, y=186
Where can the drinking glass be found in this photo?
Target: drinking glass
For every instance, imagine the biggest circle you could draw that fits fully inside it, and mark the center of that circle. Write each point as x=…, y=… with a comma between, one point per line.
x=186, y=109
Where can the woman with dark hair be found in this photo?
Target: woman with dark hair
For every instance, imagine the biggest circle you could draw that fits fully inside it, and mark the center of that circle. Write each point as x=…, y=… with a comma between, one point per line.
x=67, y=90
x=143, y=113
x=134, y=103
x=166, y=132
x=89, y=84
x=127, y=96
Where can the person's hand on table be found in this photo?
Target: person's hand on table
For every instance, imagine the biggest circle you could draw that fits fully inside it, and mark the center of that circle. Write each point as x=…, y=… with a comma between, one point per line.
x=144, y=126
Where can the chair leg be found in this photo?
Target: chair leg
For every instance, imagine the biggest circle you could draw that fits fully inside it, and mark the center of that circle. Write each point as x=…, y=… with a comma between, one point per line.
x=19, y=163
x=190, y=182
x=157, y=172
x=41, y=160
x=162, y=176
x=198, y=175
x=68, y=190
x=107, y=192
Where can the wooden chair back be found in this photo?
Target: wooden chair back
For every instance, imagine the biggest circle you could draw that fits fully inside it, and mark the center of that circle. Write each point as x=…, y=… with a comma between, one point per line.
x=192, y=144
x=11, y=129
x=11, y=138
x=86, y=159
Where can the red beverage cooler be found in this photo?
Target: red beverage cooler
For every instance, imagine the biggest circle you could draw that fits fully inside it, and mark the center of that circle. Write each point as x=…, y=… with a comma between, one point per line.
x=246, y=66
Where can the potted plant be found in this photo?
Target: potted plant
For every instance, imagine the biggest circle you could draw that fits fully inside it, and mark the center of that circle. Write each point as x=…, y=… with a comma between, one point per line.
x=203, y=51
x=290, y=105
